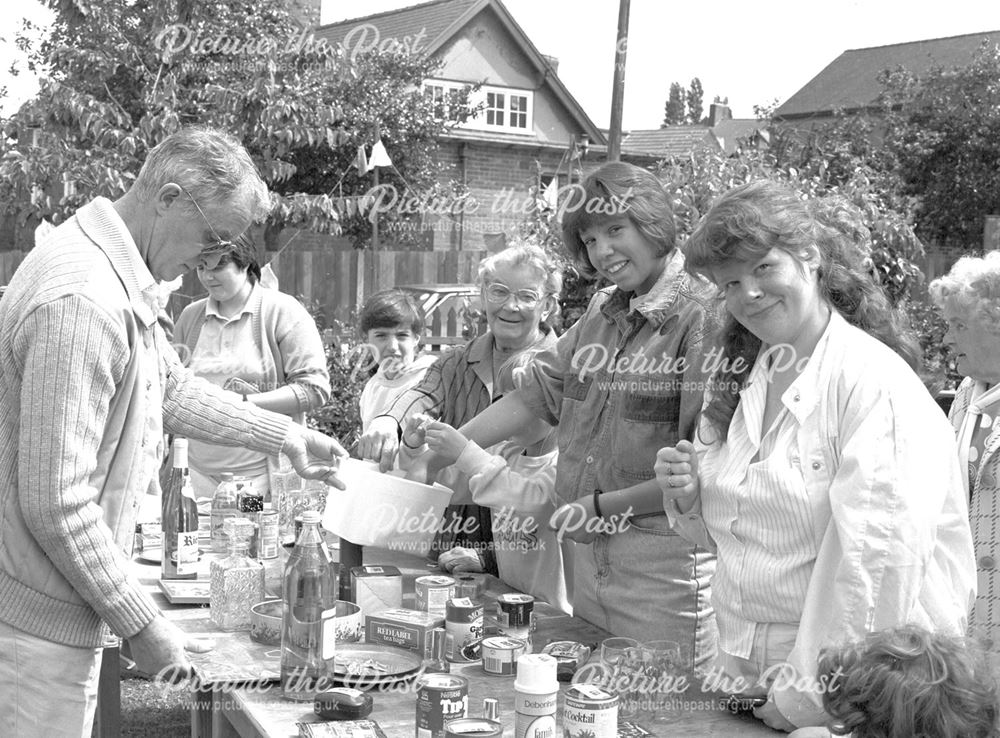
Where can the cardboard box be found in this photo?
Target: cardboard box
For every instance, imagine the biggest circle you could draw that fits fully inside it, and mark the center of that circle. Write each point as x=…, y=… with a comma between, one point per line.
x=402, y=628
x=377, y=588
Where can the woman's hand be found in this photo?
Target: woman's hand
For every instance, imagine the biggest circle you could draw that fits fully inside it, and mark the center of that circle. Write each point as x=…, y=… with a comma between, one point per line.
x=676, y=470
x=576, y=521
x=380, y=442
x=445, y=441
x=414, y=432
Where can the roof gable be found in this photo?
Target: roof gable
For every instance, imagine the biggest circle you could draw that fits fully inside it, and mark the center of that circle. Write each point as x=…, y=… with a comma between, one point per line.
x=850, y=82
x=426, y=28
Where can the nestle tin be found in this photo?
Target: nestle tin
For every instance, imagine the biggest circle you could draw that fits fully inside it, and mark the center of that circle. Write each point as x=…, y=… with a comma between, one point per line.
x=433, y=593
x=500, y=654
x=441, y=698
x=478, y=727
x=464, y=624
x=590, y=709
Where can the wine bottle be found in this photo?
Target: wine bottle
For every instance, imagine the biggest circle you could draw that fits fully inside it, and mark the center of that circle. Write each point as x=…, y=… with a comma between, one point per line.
x=179, y=519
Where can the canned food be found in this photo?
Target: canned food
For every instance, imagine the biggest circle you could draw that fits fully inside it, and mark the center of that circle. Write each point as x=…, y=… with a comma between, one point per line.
x=441, y=698
x=514, y=610
x=464, y=624
x=591, y=709
x=500, y=654
x=478, y=727
x=433, y=593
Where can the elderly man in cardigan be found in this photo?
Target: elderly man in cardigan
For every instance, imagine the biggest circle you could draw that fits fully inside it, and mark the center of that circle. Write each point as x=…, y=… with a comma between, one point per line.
x=88, y=385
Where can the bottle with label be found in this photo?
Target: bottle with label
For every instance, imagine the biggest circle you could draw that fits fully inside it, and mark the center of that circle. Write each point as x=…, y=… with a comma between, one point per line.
x=179, y=519
x=308, y=631
x=237, y=581
x=536, y=690
x=223, y=508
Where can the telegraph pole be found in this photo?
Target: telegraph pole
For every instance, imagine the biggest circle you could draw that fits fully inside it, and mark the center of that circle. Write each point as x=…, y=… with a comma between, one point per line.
x=618, y=87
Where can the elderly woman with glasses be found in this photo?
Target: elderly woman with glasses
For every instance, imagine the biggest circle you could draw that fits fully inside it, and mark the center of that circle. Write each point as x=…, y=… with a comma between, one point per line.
x=255, y=341
x=519, y=288
x=969, y=296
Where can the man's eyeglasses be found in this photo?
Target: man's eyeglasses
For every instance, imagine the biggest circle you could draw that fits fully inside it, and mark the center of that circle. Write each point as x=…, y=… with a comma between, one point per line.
x=498, y=294
x=211, y=255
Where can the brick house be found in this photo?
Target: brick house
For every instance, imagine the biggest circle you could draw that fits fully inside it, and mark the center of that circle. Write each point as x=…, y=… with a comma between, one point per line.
x=529, y=128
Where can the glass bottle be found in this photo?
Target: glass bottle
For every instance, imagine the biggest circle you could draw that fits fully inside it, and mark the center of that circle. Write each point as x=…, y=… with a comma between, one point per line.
x=237, y=581
x=223, y=507
x=308, y=633
x=179, y=519
x=435, y=662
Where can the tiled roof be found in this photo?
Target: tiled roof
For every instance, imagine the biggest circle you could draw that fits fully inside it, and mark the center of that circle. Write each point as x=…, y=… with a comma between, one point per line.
x=851, y=80
x=669, y=141
x=434, y=18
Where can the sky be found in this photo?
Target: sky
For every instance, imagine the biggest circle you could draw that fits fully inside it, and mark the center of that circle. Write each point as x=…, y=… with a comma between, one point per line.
x=752, y=53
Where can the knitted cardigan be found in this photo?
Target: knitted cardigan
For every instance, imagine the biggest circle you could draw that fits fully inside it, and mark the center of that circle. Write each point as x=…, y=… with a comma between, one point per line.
x=85, y=372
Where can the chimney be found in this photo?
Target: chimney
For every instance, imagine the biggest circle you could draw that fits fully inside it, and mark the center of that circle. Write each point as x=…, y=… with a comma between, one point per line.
x=718, y=112
x=553, y=62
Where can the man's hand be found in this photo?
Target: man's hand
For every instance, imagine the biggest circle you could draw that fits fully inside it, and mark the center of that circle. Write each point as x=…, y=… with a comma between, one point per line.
x=445, y=441
x=380, y=442
x=313, y=454
x=160, y=649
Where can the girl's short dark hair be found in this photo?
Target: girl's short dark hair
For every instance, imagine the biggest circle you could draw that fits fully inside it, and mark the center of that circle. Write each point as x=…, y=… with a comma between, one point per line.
x=613, y=190
x=389, y=308
x=243, y=254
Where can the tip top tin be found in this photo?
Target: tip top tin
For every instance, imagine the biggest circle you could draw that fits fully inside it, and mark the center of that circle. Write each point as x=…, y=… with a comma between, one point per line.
x=441, y=698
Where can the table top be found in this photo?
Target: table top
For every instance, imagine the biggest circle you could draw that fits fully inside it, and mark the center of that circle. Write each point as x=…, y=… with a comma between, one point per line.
x=258, y=709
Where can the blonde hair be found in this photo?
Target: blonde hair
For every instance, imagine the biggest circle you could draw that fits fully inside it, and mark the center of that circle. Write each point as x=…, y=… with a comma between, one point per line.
x=906, y=682
x=971, y=289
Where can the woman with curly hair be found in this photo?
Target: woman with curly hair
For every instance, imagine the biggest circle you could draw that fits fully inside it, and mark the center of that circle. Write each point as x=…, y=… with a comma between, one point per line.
x=906, y=682
x=969, y=296
x=824, y=474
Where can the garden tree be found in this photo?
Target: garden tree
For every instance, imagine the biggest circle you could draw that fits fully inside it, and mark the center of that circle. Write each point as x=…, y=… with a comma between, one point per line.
x=118, y=76
x=674, y=111
x=695, y=102
x=944, y=132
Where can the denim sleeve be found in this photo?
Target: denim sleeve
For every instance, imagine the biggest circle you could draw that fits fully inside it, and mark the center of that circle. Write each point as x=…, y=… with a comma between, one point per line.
x=542, y=387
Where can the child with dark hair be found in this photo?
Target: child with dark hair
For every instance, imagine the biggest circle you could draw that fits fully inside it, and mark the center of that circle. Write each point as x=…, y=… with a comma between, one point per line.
x=906, y=682
x=391, y=323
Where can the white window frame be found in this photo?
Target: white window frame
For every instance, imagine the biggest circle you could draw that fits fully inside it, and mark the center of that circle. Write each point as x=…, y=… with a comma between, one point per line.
x=447, y=90
x=482, y=118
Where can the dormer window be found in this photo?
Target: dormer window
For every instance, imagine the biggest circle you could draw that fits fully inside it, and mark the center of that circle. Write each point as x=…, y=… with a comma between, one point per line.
x=489, y=108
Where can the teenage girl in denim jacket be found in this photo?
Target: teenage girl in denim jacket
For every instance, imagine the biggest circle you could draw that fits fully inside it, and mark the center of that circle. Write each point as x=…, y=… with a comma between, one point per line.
x=623, y=381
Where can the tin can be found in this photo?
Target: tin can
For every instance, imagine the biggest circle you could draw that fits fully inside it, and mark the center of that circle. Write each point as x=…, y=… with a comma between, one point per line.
x=441, y=698
x=500, y=654
x=591, y=709
x=267, y=534
x=478, y=727
x=433, y=593
x=514, y=610
x=464, y=624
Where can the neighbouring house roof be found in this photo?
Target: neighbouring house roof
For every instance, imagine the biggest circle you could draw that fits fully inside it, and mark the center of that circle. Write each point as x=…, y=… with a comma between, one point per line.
x=682, y=140
x=669, y=141
x=441, y=20
x=850, y=82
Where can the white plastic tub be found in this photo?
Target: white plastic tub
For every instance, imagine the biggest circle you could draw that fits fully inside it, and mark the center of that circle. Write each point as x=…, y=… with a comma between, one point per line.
x=384, y=510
